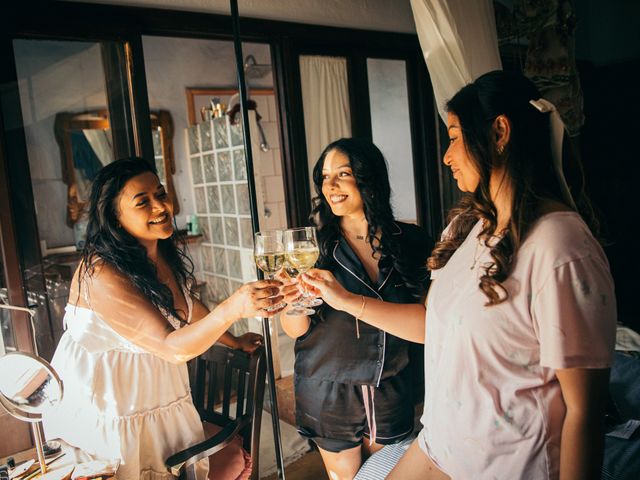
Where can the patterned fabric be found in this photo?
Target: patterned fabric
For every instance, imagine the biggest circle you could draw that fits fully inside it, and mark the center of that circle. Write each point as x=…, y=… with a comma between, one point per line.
x=382, y=462
x=548, y=29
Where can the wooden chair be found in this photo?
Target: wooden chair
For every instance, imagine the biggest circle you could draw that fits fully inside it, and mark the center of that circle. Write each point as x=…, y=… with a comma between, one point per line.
x=222, y=377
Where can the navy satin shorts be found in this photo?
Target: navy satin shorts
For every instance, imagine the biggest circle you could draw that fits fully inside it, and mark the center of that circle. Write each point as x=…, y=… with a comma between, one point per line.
x=337, y=416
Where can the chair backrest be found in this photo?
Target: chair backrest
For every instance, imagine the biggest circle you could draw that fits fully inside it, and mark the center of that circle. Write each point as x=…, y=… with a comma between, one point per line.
x=224, y=377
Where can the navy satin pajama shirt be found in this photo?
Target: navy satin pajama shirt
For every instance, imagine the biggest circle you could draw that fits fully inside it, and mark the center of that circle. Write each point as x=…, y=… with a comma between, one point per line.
x=348, y=387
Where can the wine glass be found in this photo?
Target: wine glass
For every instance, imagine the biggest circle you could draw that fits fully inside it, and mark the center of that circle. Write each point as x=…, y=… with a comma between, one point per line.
x=301, y=252
x=299, y=307
x=268, y=252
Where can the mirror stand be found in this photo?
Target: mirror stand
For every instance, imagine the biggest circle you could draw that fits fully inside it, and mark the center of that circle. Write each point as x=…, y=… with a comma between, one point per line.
x=36, y=430
x=37, y=434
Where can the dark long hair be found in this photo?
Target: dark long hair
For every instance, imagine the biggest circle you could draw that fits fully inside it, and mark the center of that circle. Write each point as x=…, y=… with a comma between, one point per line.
x=114, y=245
x=528, y=164
x=370, y=172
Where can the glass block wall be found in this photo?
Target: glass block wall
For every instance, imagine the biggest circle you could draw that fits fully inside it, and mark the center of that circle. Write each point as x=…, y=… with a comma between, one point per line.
x=219, y=177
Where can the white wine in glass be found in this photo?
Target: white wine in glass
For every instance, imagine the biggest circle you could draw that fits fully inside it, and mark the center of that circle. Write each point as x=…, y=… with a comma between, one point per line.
x=270, y=263
x=303, y=256
x=301, y=248
x=268, y=252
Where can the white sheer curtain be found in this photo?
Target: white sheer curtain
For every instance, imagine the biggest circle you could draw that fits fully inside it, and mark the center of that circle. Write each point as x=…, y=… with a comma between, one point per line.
x=459, y=43
x=100, y=141
x=325, y=101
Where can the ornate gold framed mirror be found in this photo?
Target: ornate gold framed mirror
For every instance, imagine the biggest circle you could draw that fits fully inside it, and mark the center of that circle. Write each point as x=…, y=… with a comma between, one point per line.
x=86, y=145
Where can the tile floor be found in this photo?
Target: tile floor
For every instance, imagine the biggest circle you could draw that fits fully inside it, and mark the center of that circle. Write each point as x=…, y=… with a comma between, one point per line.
x=308, y=467
x=294, y=446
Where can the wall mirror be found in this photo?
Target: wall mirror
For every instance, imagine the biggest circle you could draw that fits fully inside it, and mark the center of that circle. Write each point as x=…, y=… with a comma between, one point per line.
x=86, y=145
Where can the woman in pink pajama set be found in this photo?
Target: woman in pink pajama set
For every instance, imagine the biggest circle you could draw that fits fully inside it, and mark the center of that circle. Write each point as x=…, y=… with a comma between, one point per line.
x=520, y=321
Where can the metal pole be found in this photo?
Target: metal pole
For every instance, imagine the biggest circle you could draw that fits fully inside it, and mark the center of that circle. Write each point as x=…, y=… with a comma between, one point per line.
x=242, y=90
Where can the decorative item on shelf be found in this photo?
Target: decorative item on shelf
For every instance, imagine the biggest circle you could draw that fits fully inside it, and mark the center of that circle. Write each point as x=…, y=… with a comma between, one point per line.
x=193, y=227
x=218, y=108
x=215, y=109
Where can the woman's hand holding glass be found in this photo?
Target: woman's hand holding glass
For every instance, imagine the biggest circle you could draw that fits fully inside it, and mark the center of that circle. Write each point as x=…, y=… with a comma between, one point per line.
x=323, y=283
x=257, y=299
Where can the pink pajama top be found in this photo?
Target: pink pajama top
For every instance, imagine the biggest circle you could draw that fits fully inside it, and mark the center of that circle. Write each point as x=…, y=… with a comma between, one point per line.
x=493, y=406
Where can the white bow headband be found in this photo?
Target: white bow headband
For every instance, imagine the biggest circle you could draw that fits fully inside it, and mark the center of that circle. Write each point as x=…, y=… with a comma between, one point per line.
x=557, y=133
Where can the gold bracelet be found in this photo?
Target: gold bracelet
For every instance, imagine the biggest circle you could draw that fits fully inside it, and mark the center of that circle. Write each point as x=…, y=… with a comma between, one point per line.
x=364, y=302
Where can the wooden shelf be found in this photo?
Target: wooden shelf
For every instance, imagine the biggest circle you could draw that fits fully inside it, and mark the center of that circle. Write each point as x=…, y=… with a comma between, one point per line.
x=191, y=239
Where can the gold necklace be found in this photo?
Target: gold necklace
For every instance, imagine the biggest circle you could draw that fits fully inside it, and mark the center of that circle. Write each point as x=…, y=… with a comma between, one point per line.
x=354, y=235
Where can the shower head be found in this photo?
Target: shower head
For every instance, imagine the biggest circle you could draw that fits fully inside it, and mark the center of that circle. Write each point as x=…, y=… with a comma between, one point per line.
x=253, y=69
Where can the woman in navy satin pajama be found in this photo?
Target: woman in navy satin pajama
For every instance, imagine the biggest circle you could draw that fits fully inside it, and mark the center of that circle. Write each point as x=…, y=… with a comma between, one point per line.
x=352, y=385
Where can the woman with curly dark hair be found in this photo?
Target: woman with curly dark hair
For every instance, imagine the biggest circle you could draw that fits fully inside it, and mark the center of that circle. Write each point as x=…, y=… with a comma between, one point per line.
x=521, y=313
x=131, y=325
x=351, y=379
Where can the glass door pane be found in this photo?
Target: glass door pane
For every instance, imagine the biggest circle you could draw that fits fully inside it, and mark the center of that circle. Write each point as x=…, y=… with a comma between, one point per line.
x=68, y=125
x=195, y=82
x=391, y=130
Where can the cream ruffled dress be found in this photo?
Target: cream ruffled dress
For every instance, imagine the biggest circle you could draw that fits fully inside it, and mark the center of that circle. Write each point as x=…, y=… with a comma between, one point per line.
x=121, y=402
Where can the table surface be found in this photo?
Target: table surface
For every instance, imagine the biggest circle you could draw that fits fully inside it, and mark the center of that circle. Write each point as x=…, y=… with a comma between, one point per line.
x=29, y=454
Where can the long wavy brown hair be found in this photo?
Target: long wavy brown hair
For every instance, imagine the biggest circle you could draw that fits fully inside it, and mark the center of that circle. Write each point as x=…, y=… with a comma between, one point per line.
x=369, y=169
x=528, y=164
x=115, y=246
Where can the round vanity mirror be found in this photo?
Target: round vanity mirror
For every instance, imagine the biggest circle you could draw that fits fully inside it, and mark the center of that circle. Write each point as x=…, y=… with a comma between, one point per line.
x=28, y=385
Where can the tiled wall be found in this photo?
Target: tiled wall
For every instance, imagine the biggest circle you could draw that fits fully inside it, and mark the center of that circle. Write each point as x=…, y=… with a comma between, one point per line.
x=224, y=259
x=269, y=166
